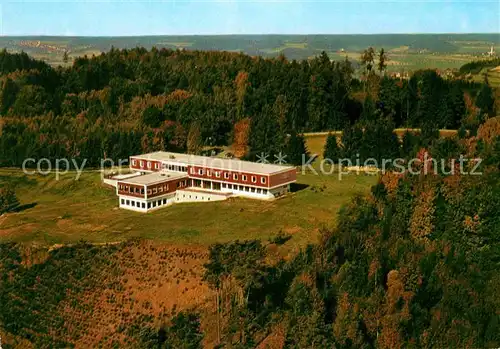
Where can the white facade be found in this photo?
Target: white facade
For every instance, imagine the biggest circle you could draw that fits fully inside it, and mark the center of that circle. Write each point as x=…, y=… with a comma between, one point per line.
x=145, y=205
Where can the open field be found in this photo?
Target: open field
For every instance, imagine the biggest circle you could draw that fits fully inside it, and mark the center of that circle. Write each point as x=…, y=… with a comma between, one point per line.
x=67, y=211
x=406, y=51
x=493, y=75
x=315, y=141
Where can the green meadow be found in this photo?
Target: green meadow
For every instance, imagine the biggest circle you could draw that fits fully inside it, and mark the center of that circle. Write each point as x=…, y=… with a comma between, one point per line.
x=69, y=210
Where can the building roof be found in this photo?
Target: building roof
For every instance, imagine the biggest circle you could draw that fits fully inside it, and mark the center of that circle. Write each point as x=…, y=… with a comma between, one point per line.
x=155, y=177
x=217, y=163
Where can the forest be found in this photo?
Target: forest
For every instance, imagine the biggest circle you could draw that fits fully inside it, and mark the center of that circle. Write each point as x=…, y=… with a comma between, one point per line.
x=413, y=263
x=132, y=101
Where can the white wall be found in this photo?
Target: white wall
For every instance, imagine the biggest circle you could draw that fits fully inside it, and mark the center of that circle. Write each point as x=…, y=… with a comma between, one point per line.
x=195, y=196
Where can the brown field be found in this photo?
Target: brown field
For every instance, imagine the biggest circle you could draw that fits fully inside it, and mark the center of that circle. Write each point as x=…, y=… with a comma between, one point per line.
x=153, y=282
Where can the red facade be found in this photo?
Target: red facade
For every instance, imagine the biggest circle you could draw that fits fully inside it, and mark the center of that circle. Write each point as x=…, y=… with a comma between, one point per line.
x=163, y=188
x=217, y=175
x=145, y=165
x=283, y=178
x=130, y=190
x=244, y=178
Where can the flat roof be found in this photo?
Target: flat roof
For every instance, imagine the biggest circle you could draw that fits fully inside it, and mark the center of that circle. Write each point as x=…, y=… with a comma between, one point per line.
x=155, y=177
x=212, y=162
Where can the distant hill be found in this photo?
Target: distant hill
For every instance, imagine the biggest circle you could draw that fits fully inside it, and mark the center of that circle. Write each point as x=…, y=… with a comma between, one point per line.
x=52, y=48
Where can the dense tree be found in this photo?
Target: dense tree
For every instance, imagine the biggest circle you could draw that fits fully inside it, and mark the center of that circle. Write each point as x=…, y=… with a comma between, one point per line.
x=156, y=95
x=152, y=116
x=485, y=101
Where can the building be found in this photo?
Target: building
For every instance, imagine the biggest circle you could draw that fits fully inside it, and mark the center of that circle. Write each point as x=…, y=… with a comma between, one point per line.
x=163, y=178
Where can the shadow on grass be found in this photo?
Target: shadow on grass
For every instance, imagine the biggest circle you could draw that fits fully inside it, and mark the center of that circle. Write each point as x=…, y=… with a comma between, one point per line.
x=24, y=207
x=295, y=187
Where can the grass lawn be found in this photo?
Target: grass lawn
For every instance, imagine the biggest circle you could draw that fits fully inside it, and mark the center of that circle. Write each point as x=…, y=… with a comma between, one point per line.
x=67, y=211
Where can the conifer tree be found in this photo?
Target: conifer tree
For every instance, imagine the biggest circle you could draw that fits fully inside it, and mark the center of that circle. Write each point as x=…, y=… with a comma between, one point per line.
x=485, y=101
x=332, y=150
x=352, y=138
x=296, y=149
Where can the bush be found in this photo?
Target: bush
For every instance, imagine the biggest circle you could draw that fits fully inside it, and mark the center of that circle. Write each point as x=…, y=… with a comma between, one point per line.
x=8, y=200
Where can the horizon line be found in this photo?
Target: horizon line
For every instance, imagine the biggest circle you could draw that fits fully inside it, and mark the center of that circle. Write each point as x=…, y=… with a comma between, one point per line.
x=250, y=34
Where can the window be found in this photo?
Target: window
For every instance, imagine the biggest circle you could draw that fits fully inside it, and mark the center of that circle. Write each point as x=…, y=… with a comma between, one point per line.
x=155, y=190
x=253, y=190
x=149, y=205
x=133, y=203
x=209, y=173
x=142, y=163
x=235, y=177
x=149, y=191
x=217, y=174
x=154, y=203
x=244, y=177
x=123, y=202
x=258, y=190
x=164, y=201
x=149, y=164
x=241, y=187
x=143, y=205
x=200, y=171
x=128, y=202
x=224, y=185
x=263, y=180
x=159, y=202
x=254, y=179
x=157, y=166
x=134, y=162
x=226, y=175
x=264, y=191
x=247, y=189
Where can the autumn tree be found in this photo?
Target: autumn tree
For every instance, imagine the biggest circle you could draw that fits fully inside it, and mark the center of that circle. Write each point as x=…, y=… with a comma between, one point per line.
x=194, y=142
x=241, y=133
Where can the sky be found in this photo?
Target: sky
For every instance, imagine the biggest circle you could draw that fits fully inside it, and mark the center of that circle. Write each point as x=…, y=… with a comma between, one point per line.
x=188, y=17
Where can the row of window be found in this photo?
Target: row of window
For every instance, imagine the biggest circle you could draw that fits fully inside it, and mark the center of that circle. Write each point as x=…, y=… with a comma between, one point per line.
x=148, y=164
x=177, y=168
x=129, y=189
x=196, y=197
x=244, y=188
x=244, y=178
x=142, y=205
x=165, y=187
